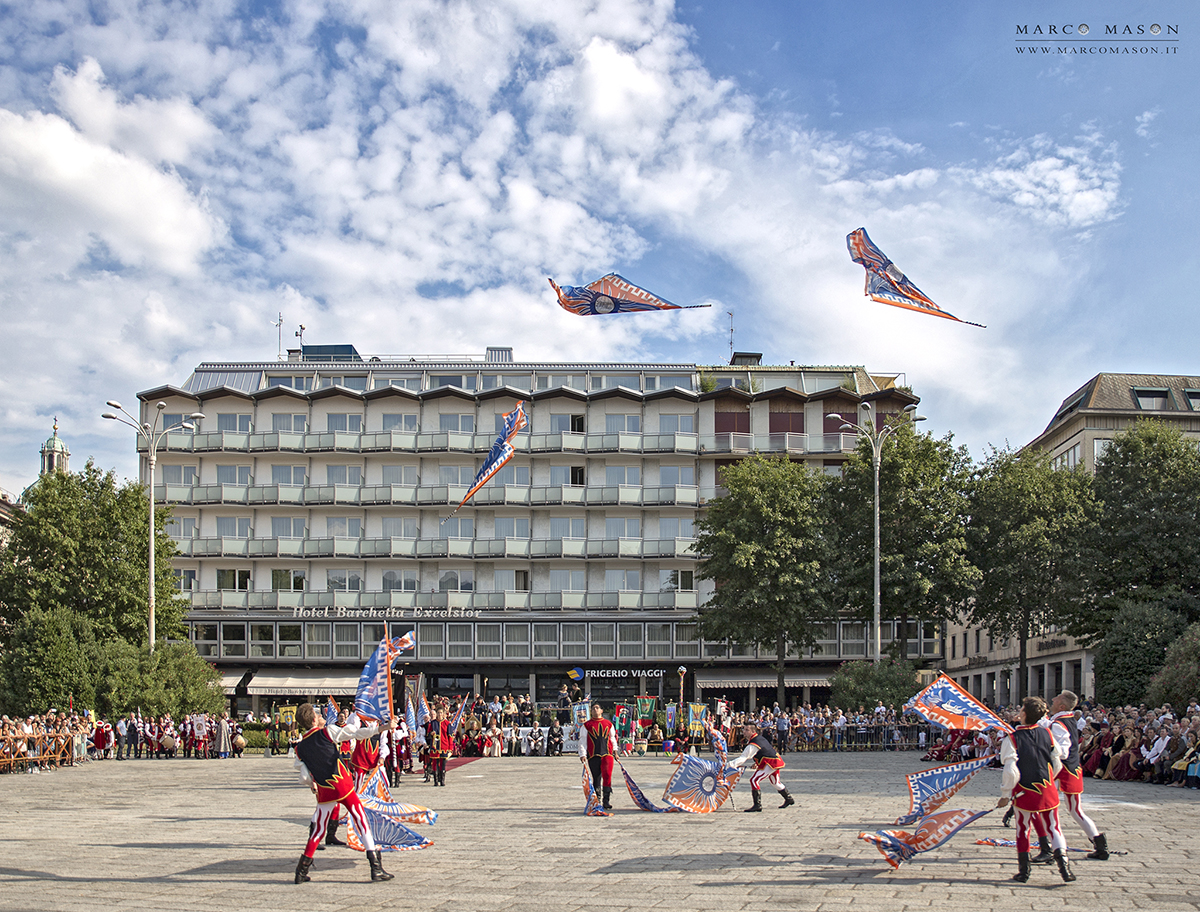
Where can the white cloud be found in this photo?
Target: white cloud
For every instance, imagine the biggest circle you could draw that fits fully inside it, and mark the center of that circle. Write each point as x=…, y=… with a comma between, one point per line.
x=1144, y=120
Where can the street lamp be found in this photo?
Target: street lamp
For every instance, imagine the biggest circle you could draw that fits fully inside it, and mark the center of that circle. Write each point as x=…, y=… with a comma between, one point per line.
x=152, y=434
x=877, y=437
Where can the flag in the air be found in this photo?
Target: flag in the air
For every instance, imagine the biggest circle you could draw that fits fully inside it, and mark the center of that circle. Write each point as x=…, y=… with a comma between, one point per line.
x=458, y=716
x=501, y=452
x=946, y=704
x=609, y=295
x=929, y=789
x=886, y=284
x=897, y=846
x=331, y=711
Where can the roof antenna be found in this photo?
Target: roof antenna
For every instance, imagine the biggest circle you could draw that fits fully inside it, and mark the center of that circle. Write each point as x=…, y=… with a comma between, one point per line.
x=300, y=335
x=730, y=312
x=278, y=324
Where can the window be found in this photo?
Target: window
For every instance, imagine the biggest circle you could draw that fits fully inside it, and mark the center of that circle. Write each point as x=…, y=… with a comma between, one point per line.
x=668, y=381
x=511, y=474
x=567, y=581
x=262, y=641
x=235, y=423
x=954, y=647
x=468, y=381
x=349, y=382
x=622, y=581
x=622, y=424
x=549, y=381
x=567, y=475
x=233, y=639
x=487, y=641
x=516, y=641
x=456, y=475
x=612, y=381
x=400, y=581
x=400, y=381
x=343, y=526
x=658, y=641
x=288, y=580
x=676, y=580
x=236, y=580
x=1152, y=399
x=622, y=475
x=400, y=422
x=456, y=581
x=175, y=422
x=629, y=641
x=964, y=643
x=289, y=641
x=289, y=424
x=185, y=579
x=619, y=527
x=233, y=474
x=300, y=383
x=405, y=475
x=677, y=424
x=460, y=640
x=181, y=527
x=316, y=641
x=372, y=635
x=204, y=636
x=516, y=381
x=1068, y=459
x=545, y=641
x=233, y=526
x=1193, y=399
x=978, y=640
x=687, y=641
x=566, y=424
x=287, y=475
x=511, y=527
x=463, y=424
x=567, y=527
x=343, y=475
x=457, y=527
x=574, y=641
x=430, y=641
x=345, y=641
x=669, y=475
x=603, y=640
x=400, y=527
x=180, y=474
x=1100, y=447
x=287, y=527
x=669, y=527
x=344, y=421
x=343, y=581
x=510, y=581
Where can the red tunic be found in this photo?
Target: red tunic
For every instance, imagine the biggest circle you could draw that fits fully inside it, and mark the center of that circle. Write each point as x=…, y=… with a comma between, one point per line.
x=1035, y=789
x=365, y=756
x=440, y=743
x=599, y=737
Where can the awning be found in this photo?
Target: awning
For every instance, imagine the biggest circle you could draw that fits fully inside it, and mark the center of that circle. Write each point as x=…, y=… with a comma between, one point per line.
x=734, y=678
x=230, y=677
x=304, y=682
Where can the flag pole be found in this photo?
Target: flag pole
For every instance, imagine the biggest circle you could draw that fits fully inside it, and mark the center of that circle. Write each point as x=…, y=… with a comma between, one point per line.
x=391, y=712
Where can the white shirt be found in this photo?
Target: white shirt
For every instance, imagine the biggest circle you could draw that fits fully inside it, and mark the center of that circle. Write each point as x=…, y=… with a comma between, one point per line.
x=1008, y=756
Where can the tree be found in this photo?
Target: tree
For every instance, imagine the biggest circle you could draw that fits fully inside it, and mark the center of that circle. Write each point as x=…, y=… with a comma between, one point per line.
x=765, y=545
x=81, y=544
x=1145, y=543
x=1134, y=650
x=51, y=662
x=1178, y=681
x=1026, y=519
x=862, y=683
x=924, y=570
x=175, y=679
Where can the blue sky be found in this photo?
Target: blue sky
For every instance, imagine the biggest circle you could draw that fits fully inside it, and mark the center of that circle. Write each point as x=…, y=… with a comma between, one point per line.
x=405, y=176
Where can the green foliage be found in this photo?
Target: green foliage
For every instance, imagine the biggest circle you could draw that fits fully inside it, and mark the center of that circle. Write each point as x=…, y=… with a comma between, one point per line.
x=1134, y=650
x=924, y=569
x=119, y=683
x=176, y=680
x=81, y=544
x=1178, y=681
x=254, y=739
x=1145, y=544
x=1026, y=520
x=766, y=546
x=708, y=382
x=858, y=684
x=51, y=659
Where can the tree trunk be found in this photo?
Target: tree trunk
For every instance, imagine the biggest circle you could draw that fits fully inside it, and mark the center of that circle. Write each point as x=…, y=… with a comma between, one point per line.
x=1023, y=661
x=780, y=654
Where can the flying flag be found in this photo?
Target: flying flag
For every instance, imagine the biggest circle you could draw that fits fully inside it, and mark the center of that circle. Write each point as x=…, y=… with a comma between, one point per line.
x=887, y=284
x=376, y=794
x=423, y=713
x=609, y=295
x=897, y=846
x=639, y=797
x=373, y=698
x=458, y=716
x=331, y=711
x=929, y=789
x=501, y=452
x=719, y=745
x=946, y=704
x=700, y=786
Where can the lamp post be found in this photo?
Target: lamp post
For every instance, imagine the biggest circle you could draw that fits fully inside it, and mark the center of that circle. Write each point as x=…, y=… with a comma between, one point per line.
x=877, y=437
x=153, y=436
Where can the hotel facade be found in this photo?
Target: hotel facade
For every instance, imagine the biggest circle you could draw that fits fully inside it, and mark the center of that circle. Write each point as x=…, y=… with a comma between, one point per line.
x=313, y=510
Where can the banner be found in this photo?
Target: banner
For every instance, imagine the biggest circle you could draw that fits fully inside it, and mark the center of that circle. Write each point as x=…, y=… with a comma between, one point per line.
x=670, y=732
x=645, y=708
x=697, y=713
x=581, y=711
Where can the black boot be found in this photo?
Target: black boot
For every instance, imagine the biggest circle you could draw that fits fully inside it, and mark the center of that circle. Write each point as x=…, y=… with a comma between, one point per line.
x=608, y=799
x=755, y=808
x=302, y=869
x=331, y=833
x=442, y=777
x=1023, y=868
x=1064, y=866
x=1008, y=816
x=375, y=859
x=1100, y=845
x=1043, y=856
x=788, y=800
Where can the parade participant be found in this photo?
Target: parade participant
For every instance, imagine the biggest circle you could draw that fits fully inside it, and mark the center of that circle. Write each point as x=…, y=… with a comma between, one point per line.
x=767, y=765
x=554, y=739
x=1070, y=778
x=598, y=747
x=440, y=743
x=1032, y=760
x=321, y=767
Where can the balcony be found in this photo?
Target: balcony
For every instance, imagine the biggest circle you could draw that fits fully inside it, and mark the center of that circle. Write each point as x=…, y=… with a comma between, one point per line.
x=614, y=547
x=614, y=443
x=669, y=547
x=794, y=444
x=558, y=547
x=286, y=600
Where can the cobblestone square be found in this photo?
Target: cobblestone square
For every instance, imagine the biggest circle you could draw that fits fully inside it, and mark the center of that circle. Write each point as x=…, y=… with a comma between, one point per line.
x=222, y=835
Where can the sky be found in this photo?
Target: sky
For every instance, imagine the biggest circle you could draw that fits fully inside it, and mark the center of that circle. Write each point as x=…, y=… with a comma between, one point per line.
x=405, y=176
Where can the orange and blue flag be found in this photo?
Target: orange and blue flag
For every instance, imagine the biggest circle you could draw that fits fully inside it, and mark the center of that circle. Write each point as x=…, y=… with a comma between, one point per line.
x=609, y=295
x=929, y=789
x=501, y=452
x=945, y=703
x=885, y=282
x=898, y=846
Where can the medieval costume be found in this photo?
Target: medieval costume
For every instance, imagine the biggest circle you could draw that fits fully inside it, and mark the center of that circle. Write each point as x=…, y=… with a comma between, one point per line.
x=1031, y=762
x=439, y=744
x=1070, y=780
x=598, y=747
x=767, y=765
